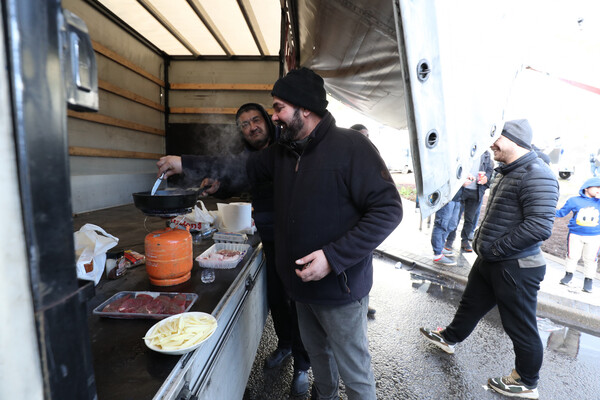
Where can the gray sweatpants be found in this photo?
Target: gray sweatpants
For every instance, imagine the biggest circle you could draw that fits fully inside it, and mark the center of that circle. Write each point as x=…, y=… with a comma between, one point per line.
x=336, y=340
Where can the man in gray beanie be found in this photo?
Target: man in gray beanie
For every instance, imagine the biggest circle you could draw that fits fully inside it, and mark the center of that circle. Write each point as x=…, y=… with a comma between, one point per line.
x=335, y=202
x=509, y=266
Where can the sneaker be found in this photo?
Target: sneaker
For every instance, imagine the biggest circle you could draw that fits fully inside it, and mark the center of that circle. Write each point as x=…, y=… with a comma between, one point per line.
x=443, y=260
x=466, y=247
x=447, y=252
x=435, y=337
x=567, y=278
x=512, y=386
x=587, y=285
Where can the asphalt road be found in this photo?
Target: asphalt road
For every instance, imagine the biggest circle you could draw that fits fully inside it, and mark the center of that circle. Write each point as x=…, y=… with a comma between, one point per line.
x=407, y=367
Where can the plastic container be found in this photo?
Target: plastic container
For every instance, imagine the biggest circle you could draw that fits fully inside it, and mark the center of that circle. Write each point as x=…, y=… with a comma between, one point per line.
x=190, y=299
x=208, y=263
x=230, y=237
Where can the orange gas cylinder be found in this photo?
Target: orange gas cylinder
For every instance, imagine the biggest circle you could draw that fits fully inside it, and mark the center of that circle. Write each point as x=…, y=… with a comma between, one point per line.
x=169, y=259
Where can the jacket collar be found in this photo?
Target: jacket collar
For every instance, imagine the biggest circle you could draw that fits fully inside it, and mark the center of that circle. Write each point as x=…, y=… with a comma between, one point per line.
x=525, y=159
x=300, y=146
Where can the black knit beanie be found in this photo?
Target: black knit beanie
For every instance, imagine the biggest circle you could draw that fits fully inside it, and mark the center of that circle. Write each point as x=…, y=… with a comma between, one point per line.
x=519, y=132
x=303, y=88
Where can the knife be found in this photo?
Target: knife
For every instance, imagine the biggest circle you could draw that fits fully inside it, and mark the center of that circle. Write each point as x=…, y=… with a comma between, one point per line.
x=157, y=184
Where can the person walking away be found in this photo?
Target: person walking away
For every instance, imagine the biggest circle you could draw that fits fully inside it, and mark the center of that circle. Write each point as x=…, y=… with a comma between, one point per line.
x=258, y=132
x=509, y=265
x=335, y=202
x=472, y=197
x=583, y=239
x=445, y=221
x=595, y=163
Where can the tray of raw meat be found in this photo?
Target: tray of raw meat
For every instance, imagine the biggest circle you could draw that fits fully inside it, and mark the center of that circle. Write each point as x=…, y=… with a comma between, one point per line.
x=149, y=305
x=223, y=255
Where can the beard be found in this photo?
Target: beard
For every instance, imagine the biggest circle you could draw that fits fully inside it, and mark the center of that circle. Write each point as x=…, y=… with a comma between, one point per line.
x=259, y=142
x=291, y=131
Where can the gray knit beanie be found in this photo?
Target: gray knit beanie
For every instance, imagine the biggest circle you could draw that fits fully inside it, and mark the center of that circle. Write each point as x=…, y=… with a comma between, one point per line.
x=519, y=132
x=303, y=88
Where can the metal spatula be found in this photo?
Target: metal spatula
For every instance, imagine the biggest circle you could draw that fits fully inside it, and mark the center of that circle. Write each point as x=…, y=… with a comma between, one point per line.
x=157, y=184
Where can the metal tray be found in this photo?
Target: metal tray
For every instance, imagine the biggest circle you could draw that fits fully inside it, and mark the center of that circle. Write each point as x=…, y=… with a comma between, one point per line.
x=190, y=299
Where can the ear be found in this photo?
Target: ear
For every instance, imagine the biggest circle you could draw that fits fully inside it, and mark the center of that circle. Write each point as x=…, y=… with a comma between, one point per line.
x=305, y=112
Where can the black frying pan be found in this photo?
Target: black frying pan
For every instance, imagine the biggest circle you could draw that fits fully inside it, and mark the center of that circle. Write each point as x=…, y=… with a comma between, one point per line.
x=166, y=202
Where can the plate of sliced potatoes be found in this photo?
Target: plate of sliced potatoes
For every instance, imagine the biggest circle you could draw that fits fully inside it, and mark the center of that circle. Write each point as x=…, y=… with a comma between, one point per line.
x=180, y=333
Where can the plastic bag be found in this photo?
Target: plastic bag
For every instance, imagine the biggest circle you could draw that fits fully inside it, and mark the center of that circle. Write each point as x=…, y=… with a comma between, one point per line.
x=197, y=220
x=91, y=245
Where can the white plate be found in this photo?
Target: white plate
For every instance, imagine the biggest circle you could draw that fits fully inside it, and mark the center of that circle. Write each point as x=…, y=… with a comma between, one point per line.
x=185, y=349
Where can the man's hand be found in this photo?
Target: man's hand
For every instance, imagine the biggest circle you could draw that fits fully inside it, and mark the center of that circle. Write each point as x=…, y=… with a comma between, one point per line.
x=169, y=165
x=313, y=267
x=210, y=186
x=470, y=179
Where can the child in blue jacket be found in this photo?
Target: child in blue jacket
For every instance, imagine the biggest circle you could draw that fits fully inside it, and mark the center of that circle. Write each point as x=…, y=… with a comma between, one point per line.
x=584, y=232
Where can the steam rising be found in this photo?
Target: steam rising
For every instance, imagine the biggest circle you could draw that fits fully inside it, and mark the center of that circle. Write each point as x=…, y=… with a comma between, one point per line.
x=211, y=151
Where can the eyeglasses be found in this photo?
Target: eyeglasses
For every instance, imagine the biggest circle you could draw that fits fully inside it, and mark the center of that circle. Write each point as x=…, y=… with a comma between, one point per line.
x=256, y=120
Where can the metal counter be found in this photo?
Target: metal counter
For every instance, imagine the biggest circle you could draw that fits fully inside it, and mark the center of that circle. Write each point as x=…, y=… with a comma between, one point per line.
x=126, y=369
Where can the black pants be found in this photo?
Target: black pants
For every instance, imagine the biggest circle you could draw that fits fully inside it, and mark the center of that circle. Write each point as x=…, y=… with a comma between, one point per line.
x=514, y=290
x=283, y=312
x=471, y=207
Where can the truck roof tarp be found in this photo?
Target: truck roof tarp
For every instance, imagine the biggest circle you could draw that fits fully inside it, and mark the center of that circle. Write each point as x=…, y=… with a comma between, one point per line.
x=353, y=45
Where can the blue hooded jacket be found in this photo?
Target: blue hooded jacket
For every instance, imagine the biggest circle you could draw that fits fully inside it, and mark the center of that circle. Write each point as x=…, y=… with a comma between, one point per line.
x=586, y=211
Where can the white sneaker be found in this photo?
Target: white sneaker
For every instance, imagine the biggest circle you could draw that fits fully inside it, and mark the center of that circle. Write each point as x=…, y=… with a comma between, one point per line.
x=512, y=386
x=443, y=260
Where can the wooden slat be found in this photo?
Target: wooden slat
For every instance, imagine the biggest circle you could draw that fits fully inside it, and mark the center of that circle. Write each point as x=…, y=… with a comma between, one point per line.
x=202, y=110
x=106, y=120
x=208, y=110
x=94, y=152
x=109, y=87
x=221, y=86
x=126, y=63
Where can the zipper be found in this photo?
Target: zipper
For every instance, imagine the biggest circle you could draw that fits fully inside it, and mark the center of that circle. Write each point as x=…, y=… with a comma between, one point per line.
x=297, y=162
x=492, y=195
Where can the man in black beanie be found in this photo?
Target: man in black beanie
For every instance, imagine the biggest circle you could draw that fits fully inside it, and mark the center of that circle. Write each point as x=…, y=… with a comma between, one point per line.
x=335, y=202
x=510, y=265
x=257, y=132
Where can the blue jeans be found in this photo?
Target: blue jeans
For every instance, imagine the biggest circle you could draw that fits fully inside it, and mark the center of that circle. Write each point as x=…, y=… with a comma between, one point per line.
x=470, y=207
x=446, y=220
x=514, y=290
x=335, y=337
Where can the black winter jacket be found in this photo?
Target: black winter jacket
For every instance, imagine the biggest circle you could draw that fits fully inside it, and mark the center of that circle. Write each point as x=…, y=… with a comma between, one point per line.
x=520, y=210
x=337, y=196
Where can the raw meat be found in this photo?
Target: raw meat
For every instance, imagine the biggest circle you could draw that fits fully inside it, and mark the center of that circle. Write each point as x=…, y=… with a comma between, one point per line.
x=146, y=304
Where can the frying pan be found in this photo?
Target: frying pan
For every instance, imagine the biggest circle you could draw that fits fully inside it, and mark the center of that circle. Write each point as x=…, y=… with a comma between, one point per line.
x=166, y=202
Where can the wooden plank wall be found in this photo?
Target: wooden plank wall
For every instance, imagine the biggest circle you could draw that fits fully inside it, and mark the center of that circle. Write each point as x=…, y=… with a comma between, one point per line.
x=113, y=152
x=212, y=93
